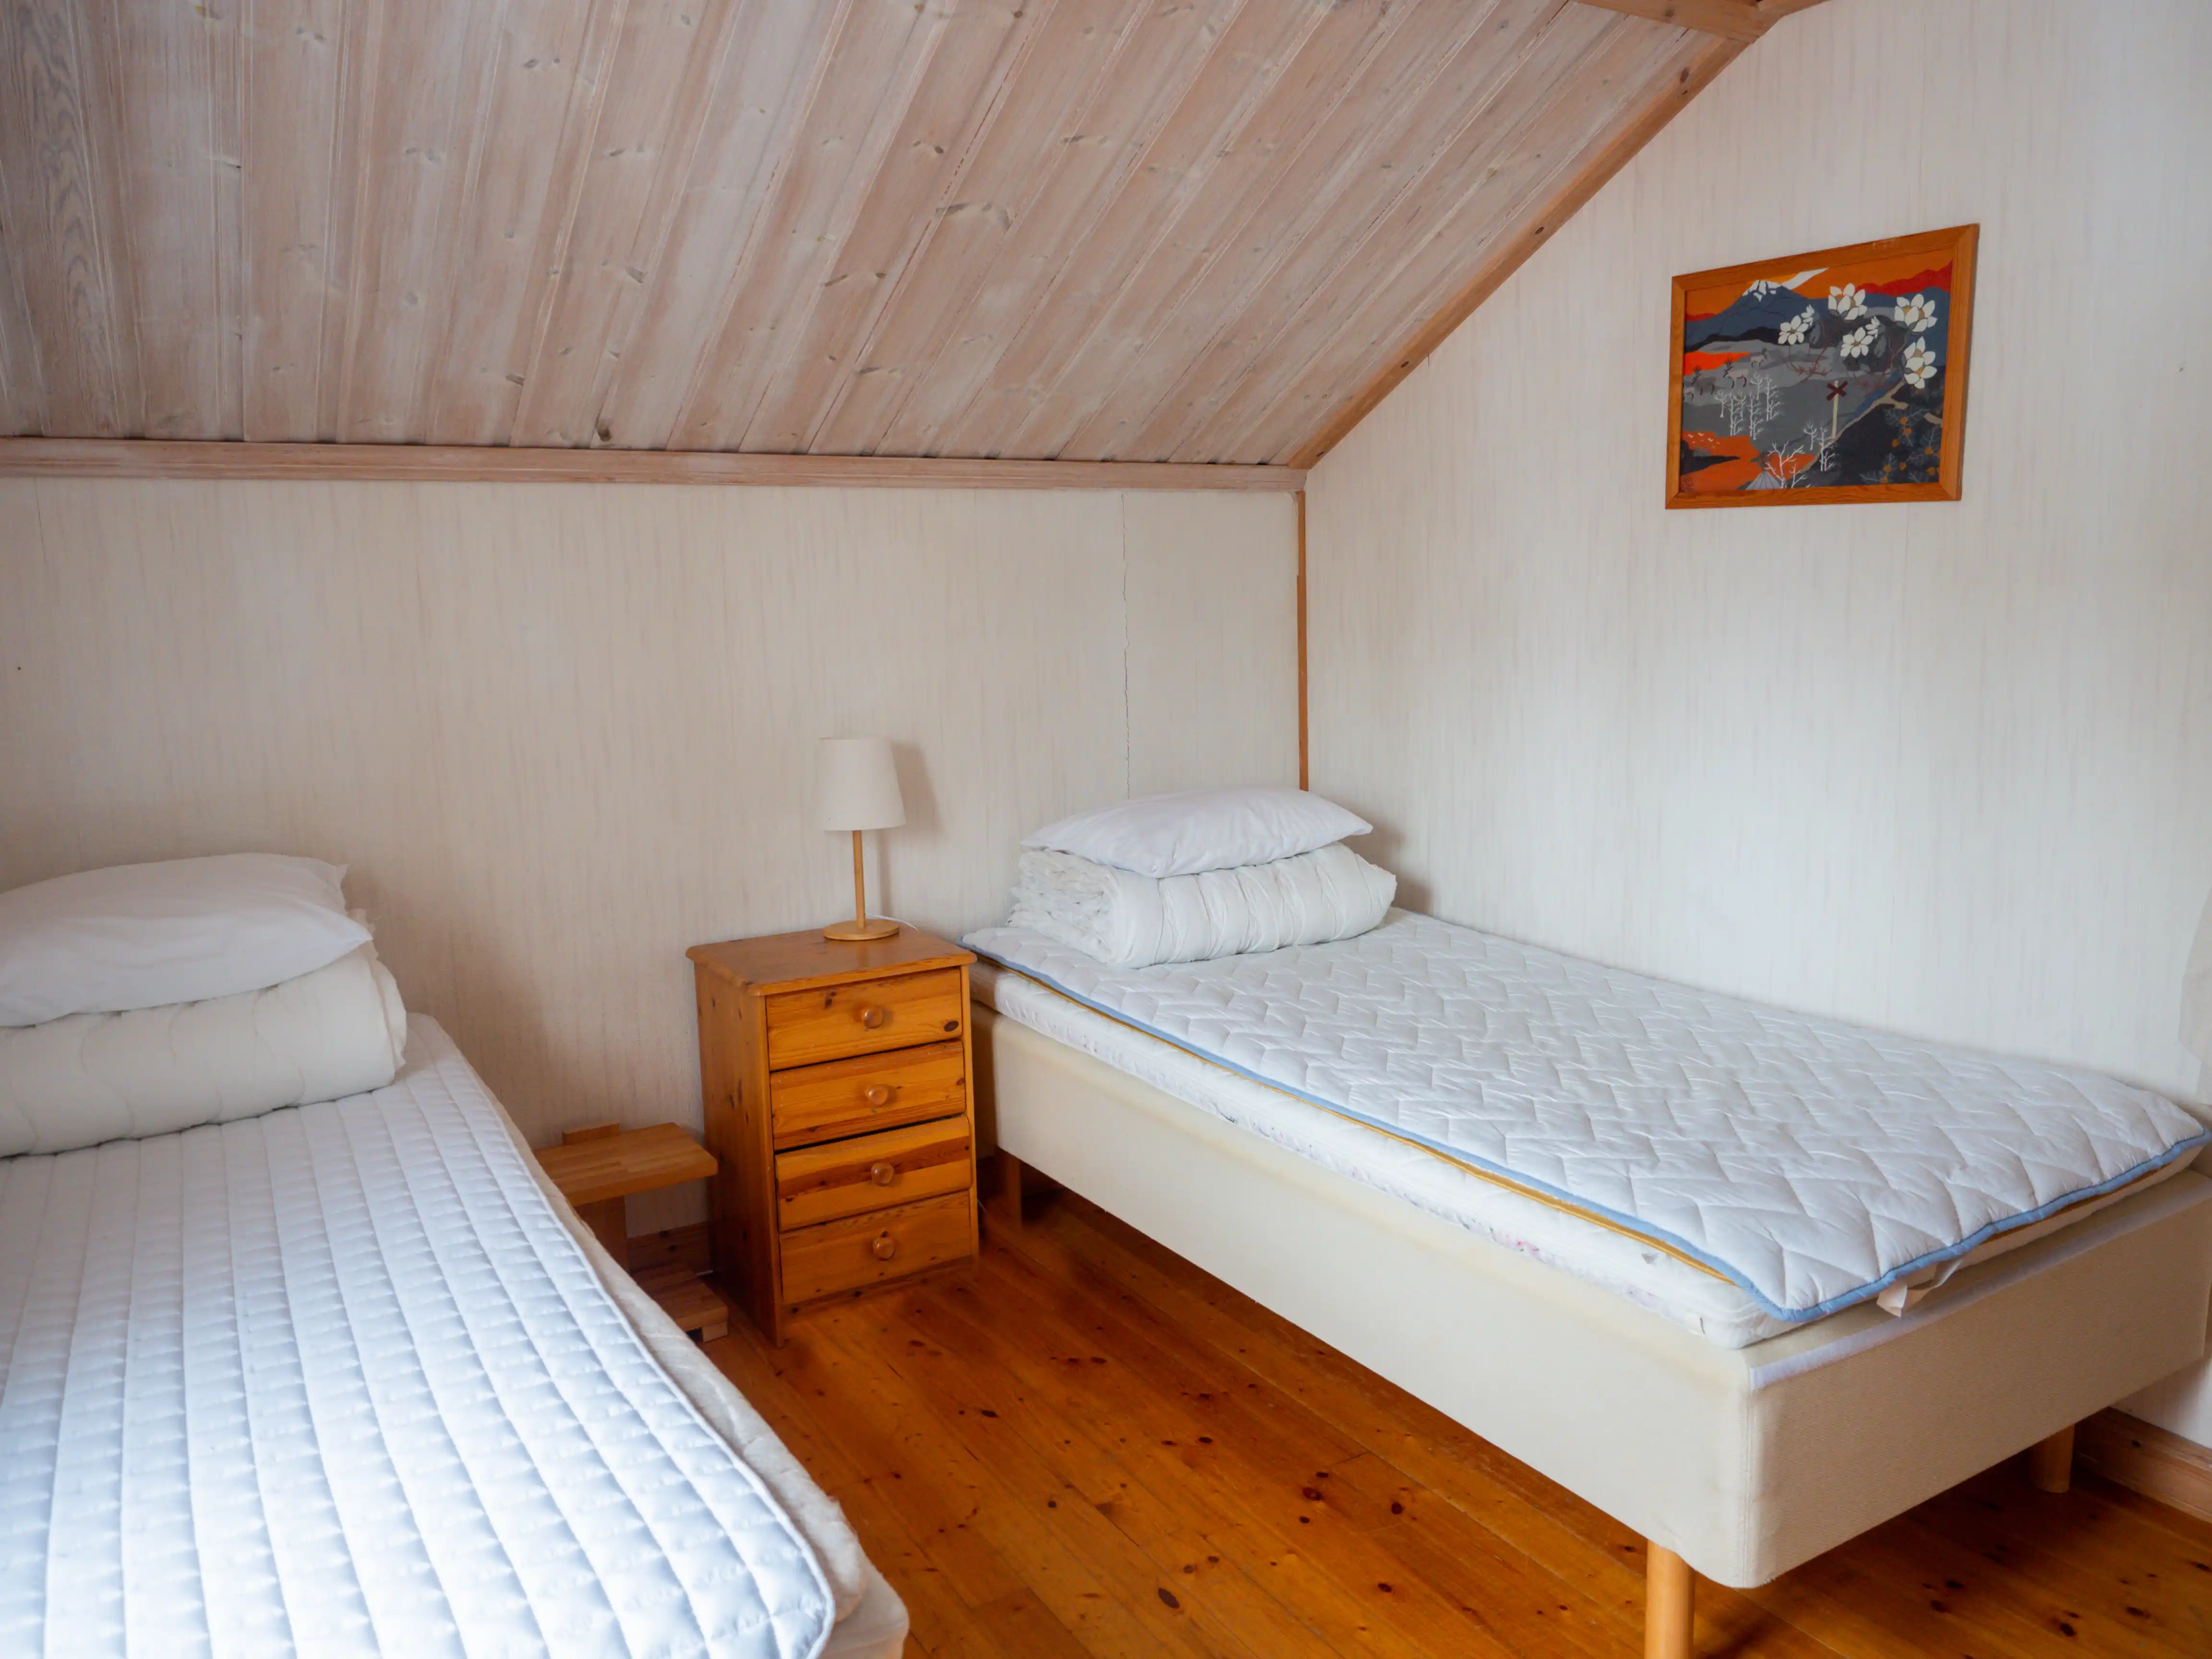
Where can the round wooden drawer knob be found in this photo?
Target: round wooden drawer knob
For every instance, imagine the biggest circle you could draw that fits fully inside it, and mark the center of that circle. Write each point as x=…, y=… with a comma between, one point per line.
x=877, y=1094
x=884, y=1245
x=883, y=1174
x=872, y=1017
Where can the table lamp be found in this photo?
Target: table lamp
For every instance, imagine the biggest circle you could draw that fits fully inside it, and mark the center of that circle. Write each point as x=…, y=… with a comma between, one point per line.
x=859, y=791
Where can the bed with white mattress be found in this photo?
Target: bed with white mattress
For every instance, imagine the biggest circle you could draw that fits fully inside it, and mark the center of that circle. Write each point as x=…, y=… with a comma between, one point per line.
x=351, y=1378
x=1750, y=1281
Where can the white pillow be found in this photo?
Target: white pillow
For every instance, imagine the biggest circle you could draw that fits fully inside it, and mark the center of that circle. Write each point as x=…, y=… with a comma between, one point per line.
x=146, y=935
x=1197, y=830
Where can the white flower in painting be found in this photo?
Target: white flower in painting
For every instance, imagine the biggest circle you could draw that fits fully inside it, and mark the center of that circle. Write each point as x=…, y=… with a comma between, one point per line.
x=1847, y=302
x=1794, y=331
x=1919, y=364
x=1917, y=313
x=1861, y=340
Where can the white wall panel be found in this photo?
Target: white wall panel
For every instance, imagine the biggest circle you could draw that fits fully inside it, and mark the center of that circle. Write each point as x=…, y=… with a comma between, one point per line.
x=562, y=731
x=1214, y=642
x=1943, y=768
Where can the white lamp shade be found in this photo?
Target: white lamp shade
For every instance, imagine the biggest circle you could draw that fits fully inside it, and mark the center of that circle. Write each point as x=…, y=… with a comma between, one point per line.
x=859, y=787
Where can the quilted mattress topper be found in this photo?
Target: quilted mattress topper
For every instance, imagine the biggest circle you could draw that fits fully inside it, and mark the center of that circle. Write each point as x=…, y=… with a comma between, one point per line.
x=1809, y=1162
x=338, y=1379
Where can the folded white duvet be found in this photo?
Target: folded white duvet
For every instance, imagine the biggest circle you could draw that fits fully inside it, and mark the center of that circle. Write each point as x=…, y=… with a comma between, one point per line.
x=1131, y=921
x=90, y=1078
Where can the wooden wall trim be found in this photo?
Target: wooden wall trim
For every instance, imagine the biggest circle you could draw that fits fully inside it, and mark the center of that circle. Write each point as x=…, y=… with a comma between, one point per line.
x=1731, y=19
x=1516, y=247
x=2148, y=1459
x=131, y=458
x=1305, y=768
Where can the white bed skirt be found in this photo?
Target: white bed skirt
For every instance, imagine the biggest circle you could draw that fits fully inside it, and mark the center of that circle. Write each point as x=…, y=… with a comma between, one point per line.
x=1745, y=1461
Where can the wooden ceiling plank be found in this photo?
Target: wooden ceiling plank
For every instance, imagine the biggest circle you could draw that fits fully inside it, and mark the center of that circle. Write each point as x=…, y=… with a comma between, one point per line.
x=1422, y=255
x=428, y=326
x=700, y=252
x=553, y=65
x=353, y=179
x=1219, y=221
x=1730, y=20
x=922, y=175
x=419, y=144
x=170, y=79
x=48, y=152
x=881, y=57
x=228, y=130
x=290, y=108
x=1506, y=255
x=287, y=147
x=673, y=61
x=1254, y=54
x=22, y=385
x=95, y=457
x=1141, y=88
x=1074, y=43
x=1372, y=351
x=1382, y=143
x=1569, y=80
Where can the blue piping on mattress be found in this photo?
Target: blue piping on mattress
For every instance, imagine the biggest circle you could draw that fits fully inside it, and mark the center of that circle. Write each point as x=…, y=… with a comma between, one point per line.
x=1634, y=1224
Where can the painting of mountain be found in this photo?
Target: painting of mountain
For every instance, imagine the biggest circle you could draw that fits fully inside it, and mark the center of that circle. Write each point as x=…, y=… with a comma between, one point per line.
x=1826, y=377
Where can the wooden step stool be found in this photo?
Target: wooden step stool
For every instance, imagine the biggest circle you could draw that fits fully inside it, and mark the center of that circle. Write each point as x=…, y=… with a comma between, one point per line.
x=598, y=1168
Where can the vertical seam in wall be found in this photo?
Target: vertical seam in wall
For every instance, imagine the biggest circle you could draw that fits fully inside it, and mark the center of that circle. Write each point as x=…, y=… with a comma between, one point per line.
x=1128, y=714
x=435, y=727
x=1305, y=768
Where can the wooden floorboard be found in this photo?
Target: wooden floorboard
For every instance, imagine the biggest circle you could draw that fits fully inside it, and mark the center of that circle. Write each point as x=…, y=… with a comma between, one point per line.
x=1091, y=1448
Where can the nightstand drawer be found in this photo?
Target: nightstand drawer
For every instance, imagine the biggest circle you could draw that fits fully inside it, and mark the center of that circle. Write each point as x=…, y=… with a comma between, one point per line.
x=872, y=1172
x=869, y=1091
x=865, y=1249
x=865, y=1019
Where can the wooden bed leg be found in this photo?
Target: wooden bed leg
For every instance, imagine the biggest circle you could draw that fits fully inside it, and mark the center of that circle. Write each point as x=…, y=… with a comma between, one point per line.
x=1007, y=1212
x=1669, y=1595
x=2051, y=1462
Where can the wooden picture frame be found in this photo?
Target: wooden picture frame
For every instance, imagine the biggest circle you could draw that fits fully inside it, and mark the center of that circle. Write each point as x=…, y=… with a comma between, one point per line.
x=1876, y=333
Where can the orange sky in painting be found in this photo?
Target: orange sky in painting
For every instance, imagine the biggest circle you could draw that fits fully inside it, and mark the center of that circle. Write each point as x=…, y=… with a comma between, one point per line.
x=1865, y=273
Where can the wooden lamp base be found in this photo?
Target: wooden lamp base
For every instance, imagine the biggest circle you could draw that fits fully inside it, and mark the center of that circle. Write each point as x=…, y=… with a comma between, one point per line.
x=860, y=928
x=863, y=926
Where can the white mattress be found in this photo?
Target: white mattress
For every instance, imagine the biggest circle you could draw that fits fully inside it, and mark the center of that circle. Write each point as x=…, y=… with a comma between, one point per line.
x=339, y=1380
x=1739, y=1169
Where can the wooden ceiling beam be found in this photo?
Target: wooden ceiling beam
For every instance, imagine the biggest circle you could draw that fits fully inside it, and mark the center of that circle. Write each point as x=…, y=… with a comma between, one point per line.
x=1730, y=20
x=131, y=458
x=1538, y=226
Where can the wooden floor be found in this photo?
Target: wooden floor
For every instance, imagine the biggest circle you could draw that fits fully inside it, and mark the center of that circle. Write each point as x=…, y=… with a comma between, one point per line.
x=1092, y=1448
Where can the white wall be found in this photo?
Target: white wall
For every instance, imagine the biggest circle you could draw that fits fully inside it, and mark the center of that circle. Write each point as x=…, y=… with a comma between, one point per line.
x=1943, y=768
x=563, y=732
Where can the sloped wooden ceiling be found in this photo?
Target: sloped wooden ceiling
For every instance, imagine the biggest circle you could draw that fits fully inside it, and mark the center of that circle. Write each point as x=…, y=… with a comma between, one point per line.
x=1189, y=230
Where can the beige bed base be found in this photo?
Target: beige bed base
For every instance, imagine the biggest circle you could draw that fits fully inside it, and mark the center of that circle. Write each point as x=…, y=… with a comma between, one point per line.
x=1738, y=1464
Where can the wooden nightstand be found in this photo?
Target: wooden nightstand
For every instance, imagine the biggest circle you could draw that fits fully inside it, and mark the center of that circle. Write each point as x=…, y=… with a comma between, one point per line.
x=835, y=1079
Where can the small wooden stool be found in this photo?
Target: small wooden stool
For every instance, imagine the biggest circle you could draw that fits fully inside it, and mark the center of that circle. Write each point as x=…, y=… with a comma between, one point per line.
x=598, y=1168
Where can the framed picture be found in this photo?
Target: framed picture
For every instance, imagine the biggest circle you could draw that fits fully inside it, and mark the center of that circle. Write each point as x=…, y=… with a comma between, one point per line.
x=1834, y=376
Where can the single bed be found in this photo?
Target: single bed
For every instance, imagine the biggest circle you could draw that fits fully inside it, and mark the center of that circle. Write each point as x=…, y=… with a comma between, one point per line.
x=352, y=1378
x=1299, y=1124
